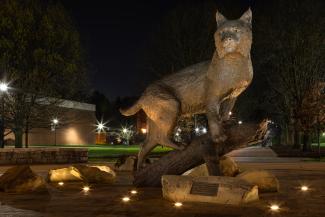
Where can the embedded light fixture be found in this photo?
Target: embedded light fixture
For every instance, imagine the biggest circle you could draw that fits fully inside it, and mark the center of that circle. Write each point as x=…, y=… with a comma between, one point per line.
x=304, y=188
x=177, y=134
x=86, y=188
x=274, y=207
x=134, y=192
x=197, y=129
x=61, y=183
x=124, y=130
x=125, y=199
x=230, y=113
x=240, y=122
x=204, y=130
x=178, y=204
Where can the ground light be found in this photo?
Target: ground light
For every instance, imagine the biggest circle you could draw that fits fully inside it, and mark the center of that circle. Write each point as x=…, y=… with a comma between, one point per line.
x=304, y=188
x=86, y=188
x=61, y=183
x=178, y=204
x=134, y=192
x=240, y=122
x=125, y=199
x=274, y=207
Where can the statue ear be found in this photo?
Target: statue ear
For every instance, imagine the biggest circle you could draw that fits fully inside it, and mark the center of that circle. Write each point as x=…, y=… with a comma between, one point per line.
x=247, y=17
x=220, y=18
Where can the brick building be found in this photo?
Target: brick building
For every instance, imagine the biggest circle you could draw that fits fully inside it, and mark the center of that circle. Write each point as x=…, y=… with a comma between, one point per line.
x=76, y=126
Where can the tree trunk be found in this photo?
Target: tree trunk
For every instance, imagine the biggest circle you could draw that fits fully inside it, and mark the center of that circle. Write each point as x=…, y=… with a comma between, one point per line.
x=296, y=144
x=200, y=150
x=18, y=137
x=306, y=142
x=26, y=136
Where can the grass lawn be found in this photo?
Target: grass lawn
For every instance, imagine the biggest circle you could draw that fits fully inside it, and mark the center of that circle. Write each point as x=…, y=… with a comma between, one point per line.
x=110, y=151
x=321, y=145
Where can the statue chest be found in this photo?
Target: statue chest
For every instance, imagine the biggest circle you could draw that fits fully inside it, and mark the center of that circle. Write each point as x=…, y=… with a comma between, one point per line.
x=230, y=77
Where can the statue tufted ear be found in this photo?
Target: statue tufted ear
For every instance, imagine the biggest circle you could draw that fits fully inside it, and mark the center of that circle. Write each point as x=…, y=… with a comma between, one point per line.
x=247, y=17
x=220, y=18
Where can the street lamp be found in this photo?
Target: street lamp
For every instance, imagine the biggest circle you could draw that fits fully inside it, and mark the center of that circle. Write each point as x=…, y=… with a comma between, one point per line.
x=55, y=122
x=3, y=90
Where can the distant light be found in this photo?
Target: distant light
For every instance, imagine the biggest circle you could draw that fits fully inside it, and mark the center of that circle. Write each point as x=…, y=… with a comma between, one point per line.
x=55, y=121
x=304, y=188
x=323, y=133
x=100, y=126
x=86, y=188
x=61, y=183
x=230, y=113
x=274, y=207
x=134, y=192
x=124, y=130
x=143, y=130
x=3, y=87
x=178, y=204
x=125, y=199
x=177, y=133
x=240, y=122
x=179, y=129
x=204, y=130
x=197, y=129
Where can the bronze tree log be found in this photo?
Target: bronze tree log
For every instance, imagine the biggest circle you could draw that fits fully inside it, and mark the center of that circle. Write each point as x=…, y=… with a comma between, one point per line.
x=200, y=150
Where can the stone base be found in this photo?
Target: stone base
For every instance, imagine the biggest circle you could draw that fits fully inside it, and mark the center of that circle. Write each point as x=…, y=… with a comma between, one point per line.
x=9, y=156
x=82, y=173
x=211, y=189
x=21, y=179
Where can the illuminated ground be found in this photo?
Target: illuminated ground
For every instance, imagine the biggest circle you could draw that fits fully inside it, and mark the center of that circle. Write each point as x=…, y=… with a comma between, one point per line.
x=105, y=201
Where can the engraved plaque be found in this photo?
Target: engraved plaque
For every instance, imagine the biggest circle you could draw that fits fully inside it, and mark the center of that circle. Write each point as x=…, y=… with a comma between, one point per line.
x=205, y=189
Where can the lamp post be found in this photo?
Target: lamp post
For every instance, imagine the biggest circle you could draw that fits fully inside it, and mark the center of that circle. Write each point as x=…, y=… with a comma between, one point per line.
x=3, y=90
x=55, y=122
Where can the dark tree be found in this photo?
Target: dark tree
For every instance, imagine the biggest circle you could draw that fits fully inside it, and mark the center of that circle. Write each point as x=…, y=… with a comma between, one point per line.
x=40, y=57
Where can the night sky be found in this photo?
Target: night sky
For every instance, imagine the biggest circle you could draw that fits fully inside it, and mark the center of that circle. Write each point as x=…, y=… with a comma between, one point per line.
x=114, y=35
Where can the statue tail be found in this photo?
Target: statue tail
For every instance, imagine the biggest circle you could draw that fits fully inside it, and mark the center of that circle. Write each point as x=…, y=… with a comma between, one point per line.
x=132, y=110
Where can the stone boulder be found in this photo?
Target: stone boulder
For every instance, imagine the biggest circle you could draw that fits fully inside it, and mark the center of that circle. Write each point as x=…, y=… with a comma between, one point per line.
x=211, y=189
x=21, y=179
x=266, y=181
x=68, y=174
x=126, y=163
x=201, y=170
x=228, y=166
x=96, y=174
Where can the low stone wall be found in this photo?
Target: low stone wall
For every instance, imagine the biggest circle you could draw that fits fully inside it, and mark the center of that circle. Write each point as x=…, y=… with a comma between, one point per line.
x=43, y=155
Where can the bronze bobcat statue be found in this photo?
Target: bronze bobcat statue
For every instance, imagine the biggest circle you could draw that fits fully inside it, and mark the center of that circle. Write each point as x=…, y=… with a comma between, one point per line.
x=210, y=87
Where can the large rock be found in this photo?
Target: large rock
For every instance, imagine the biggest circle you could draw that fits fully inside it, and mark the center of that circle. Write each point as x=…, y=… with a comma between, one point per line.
x=265, y=180
x=68, y=174
x=228, y=166
x=201, y=170
x=211, y=189
x=126, y=164
x=96, y=174
x=21, y=179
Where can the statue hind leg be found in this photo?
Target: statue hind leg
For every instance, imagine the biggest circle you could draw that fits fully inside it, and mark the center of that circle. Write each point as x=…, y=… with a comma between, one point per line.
x=161, y=122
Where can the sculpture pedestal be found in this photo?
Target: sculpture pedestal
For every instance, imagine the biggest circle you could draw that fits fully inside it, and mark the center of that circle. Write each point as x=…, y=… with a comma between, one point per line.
x=211, y=189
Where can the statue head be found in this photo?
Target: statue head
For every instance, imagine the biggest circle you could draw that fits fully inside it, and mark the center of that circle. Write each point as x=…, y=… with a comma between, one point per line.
x=234, y=36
